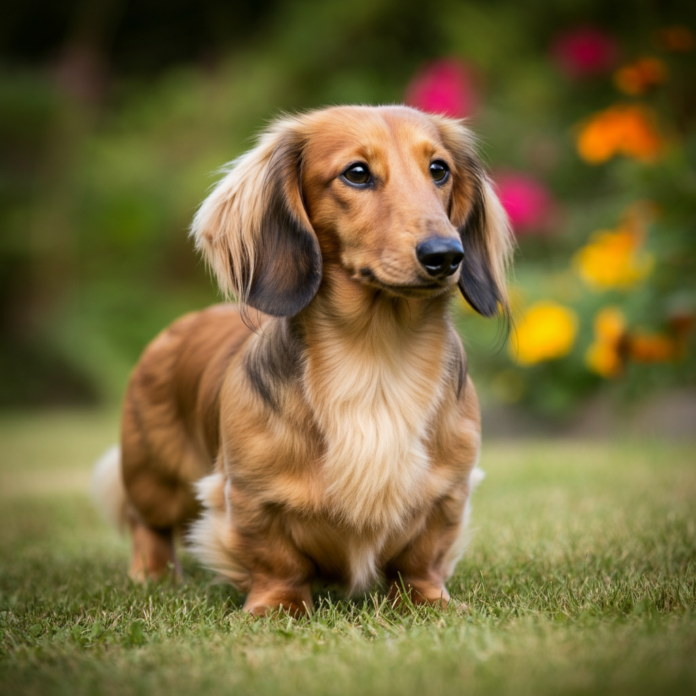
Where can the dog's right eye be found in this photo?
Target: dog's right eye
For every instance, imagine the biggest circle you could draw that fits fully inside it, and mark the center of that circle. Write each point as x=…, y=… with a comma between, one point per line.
x=358, y=175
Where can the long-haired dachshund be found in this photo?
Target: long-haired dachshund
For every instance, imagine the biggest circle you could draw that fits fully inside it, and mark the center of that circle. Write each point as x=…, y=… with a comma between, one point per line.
x=325, y=428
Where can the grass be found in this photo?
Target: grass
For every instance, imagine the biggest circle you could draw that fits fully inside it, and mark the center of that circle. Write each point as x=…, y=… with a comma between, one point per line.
x=581, y=578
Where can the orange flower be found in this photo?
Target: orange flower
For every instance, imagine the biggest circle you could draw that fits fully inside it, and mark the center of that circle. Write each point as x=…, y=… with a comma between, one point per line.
x=678, y=38
x=604, y=355
x=619, y=130
x=650, y=348
x=546, y=331
x=614, y=345
x=641, y=75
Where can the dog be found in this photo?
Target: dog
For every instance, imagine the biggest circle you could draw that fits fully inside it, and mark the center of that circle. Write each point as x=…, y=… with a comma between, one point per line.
x=324, y=428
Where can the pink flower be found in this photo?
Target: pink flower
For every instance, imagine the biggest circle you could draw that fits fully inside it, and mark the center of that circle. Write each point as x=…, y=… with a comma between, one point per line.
x=443, y=87
x=527, y=202
x=584, y=51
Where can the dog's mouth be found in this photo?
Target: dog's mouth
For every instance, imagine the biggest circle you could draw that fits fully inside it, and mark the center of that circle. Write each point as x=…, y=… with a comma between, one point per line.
x=416, y=289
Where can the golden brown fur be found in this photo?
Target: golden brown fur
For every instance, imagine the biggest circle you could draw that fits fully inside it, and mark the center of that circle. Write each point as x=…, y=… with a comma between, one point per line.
x=328, y=425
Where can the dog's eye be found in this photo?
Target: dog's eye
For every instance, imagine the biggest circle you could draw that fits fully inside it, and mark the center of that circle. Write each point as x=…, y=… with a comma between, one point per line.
x=358, y=175
x=439, y=171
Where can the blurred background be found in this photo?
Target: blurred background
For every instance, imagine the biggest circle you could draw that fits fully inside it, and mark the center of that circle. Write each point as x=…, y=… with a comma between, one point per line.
x=115, y=116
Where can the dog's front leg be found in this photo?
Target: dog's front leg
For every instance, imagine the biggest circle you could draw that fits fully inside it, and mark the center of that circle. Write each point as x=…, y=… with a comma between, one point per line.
x=247, y=541
x=269, y=594
x=420, y=570
x=280, y=575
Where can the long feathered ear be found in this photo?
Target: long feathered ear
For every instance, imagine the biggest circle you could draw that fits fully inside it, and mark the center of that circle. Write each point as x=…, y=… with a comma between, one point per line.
x=482, y=223
x=254, y=231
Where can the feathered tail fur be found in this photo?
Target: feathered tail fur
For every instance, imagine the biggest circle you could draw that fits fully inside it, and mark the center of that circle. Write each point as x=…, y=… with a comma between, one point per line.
x=108, y=490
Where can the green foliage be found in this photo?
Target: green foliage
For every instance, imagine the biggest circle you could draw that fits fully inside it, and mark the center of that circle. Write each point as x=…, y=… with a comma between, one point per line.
x=595, y=197
x=97, y=192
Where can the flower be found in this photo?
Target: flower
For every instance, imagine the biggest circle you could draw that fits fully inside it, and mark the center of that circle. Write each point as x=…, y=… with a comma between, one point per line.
x=679, y=39
x=546, y=331
x=584, y=51
x=443, y=87
x=619, y=130
x=604, y=355
x=611, y=260
x=651, y=348
x=526, y=201
x=641, y=75
x=614, y=345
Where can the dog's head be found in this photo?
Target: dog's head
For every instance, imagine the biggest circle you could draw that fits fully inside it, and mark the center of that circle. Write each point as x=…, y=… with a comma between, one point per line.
x=392, y=197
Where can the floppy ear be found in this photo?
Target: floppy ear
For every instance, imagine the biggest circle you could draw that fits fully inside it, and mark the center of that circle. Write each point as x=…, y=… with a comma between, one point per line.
x=254, y=231
x=482, y=223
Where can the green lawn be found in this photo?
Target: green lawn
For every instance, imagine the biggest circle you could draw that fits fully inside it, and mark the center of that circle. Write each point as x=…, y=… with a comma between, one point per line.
x=580, y=578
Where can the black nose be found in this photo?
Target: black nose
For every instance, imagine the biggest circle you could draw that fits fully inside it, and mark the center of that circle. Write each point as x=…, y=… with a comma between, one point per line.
x=440, y=256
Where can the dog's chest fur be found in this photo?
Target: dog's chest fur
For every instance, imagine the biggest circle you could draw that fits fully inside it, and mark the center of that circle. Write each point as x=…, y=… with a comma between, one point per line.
x=373, y=397
x=362, y=480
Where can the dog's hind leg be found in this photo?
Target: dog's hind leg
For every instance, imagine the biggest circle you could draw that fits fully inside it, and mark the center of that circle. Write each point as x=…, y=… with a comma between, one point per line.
x=153, y=548
x=161, y=457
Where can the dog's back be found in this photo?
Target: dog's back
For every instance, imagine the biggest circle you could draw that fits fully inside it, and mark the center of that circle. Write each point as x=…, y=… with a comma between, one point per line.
x=170, y=428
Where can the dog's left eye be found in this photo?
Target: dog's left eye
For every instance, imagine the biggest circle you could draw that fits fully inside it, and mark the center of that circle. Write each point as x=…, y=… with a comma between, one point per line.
x=358, y=175
x=439, y=171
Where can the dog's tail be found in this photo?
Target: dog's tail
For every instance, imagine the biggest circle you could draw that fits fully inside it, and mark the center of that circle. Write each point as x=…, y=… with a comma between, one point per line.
x=108, y=490
x=475, y=477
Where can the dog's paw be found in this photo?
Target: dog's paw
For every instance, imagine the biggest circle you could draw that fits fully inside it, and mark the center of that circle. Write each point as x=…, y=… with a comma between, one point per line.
x=296, y=603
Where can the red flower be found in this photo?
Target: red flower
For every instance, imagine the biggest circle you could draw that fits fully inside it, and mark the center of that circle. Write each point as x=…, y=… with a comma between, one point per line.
x=443, y=87
x=527, y=201
x=584, y=51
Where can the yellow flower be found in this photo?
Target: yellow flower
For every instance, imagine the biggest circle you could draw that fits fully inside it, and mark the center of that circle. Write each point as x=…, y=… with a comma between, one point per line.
x=609, y=324
x=641, y=75
x=604, y=356
x=613, y=259
x=619, y=130
x=545, y=331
